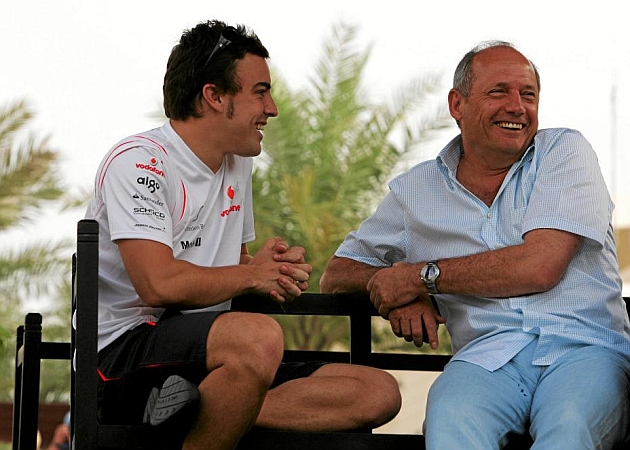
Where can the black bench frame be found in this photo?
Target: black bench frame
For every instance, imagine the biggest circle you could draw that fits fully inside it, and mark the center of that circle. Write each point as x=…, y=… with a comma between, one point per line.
x=89, y=434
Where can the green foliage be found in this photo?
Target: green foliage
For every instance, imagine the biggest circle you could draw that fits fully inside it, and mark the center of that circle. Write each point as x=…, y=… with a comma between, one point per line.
x=26, y=181
x=36, y=271
x=329, y=153
x=384, y=340
x=328, y=157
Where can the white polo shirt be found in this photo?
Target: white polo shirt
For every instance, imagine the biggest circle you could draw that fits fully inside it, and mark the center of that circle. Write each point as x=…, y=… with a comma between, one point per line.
x=152, y=186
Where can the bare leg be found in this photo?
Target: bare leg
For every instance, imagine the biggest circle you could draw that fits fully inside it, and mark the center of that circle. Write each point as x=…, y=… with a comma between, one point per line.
x=243, y=354
x=335, y=397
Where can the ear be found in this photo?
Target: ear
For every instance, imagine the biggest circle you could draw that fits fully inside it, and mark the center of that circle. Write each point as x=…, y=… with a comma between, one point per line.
x=212, y=97
x=455, y=100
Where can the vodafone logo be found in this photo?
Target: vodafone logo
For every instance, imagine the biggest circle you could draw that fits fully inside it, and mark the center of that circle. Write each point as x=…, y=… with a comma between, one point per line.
x=231, y=209
x=153, y=161
x=150, y=168
x=231, y=192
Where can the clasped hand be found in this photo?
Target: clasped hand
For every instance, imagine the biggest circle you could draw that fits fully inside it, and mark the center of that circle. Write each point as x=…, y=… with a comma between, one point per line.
x=394, y=293
x=284, y=269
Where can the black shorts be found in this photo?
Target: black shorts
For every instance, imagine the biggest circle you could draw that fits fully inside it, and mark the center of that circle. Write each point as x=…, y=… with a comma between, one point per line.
x=146, y=356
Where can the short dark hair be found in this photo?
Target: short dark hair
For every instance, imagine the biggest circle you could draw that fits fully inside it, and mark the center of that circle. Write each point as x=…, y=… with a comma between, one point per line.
x=464, y=76
x=187, y=70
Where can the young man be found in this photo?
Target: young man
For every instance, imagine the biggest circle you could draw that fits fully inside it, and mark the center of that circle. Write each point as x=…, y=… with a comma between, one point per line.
x=174, y=205
x=509, y=231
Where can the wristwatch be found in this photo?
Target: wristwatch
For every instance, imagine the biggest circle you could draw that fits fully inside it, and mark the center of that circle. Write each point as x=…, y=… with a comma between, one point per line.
x=429, y=275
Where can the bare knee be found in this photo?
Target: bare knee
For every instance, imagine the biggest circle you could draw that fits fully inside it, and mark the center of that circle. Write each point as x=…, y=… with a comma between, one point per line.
x=382, y=396
x=251, y=343
x=373, y=394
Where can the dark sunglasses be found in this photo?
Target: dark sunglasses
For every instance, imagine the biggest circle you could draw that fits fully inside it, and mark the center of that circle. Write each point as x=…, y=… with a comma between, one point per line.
x=228, y=35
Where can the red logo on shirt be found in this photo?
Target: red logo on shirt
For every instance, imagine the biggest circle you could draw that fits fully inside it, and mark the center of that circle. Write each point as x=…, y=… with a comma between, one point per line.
x=150, y=169
x=231, y=209
x=230, y=192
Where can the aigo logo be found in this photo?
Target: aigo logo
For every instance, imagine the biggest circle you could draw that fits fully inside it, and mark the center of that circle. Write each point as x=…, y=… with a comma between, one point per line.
x=152, y=185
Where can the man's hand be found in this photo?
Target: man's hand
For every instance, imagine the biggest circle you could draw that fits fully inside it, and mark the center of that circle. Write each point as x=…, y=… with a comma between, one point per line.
x=394, y=287
x=298, y=267
x=293, y=271
x=417, y=321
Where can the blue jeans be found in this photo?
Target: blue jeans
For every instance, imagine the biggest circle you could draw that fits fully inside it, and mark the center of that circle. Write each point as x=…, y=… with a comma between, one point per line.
x=579, y=402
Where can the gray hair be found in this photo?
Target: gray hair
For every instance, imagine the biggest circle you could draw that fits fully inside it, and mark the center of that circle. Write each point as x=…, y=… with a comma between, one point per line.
x=464, y=76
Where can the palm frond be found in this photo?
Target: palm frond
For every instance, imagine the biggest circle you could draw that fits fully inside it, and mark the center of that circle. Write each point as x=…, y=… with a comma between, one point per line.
x=35, y=275
x=327, y=158
x=27, y=175
x=12, y=118
x=34, y=269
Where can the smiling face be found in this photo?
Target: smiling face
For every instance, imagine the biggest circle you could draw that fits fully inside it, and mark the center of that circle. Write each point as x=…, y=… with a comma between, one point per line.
x=248, y=110
x=499, y=117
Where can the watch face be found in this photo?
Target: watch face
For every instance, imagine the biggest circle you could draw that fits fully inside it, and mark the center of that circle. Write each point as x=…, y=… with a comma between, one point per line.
x=429, y=272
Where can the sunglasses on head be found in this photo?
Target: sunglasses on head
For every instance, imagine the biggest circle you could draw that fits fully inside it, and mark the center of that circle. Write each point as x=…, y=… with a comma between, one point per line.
x=228, y=35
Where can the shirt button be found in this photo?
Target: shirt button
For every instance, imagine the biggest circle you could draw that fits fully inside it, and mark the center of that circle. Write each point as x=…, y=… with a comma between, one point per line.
x=489, y=216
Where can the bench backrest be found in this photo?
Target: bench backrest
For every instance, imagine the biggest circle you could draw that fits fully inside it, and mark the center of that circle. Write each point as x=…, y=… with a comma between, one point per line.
x=360, y=310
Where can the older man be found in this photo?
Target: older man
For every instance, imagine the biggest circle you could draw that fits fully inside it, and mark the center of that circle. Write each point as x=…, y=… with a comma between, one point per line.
x=509, y=231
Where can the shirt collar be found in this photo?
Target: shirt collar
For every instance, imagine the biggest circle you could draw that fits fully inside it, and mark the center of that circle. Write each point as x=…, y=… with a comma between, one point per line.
x=448, y=158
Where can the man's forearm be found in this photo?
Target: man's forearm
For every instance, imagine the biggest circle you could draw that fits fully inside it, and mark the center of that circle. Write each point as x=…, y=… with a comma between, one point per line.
x=536, y=265
x=346, y=275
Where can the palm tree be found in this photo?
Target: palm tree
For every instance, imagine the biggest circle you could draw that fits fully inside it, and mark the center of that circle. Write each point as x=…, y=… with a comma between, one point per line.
x=328, y=157
x=28, y=183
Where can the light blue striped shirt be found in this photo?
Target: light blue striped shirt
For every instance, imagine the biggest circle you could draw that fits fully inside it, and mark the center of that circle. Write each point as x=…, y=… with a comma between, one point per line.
x=429, y=215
